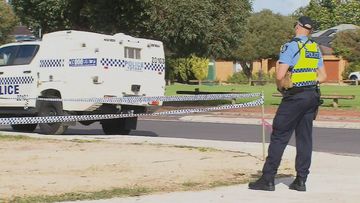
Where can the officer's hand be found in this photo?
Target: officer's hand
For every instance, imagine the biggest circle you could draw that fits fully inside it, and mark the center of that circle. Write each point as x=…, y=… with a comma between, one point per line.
x=287, y=83
x=281, y=90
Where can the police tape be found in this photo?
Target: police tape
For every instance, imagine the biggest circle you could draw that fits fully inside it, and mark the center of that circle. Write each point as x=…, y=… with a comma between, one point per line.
x=97, y=117
x=139, y=99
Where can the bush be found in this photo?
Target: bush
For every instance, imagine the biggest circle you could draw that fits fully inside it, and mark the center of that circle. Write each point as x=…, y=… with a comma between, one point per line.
x=262, y=76
x=199, y=67
x=352, y=67
x=238, y=78
x=185, y=69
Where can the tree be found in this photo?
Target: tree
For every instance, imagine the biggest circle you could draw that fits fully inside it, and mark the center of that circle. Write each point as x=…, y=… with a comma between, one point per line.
x=110, y=16
x=206, y=28
x=346, y=44
x=265, y=33
x=329, y=13
x=49, y=15
x=8, y=21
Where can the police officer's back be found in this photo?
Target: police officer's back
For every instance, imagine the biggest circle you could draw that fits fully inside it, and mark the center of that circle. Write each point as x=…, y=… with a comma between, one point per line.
x=300, y=60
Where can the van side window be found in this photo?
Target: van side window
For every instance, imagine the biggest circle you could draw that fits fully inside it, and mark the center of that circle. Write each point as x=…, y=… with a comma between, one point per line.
x=17, y=55
x=133, y=53
x=25, y=54
x=7, y=55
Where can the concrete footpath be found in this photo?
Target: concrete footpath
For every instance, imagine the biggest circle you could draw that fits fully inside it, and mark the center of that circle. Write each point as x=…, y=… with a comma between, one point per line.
x=334, y=178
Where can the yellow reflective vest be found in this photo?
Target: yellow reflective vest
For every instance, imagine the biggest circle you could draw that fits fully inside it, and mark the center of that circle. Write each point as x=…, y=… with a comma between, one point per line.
x=304, y=72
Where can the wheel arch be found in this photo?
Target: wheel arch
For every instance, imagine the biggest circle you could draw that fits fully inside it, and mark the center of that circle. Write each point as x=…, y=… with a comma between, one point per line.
x=48, y=93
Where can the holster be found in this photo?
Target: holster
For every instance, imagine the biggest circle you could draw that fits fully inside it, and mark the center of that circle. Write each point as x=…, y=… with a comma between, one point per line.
x=287, y=83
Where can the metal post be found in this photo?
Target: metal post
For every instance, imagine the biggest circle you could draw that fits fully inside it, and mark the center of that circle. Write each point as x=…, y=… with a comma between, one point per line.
x=263, y=123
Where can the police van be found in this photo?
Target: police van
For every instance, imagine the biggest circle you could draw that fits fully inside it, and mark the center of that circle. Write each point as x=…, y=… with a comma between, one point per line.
x=76, y=64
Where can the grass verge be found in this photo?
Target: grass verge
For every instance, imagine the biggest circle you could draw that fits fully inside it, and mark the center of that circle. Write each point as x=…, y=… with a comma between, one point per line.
x=4, y=137
x=103, y=194
x=269, y=89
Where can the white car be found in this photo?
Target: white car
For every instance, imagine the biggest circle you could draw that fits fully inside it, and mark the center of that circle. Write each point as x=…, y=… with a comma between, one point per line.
x=354, y=75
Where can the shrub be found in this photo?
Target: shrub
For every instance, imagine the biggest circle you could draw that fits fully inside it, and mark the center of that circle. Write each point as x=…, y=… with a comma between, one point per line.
x=263, y=76
x=238, y=78
x=185, y=69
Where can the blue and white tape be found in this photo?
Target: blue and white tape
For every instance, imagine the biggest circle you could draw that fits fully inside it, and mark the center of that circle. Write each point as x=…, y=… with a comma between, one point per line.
x=139, y=99
x=74, y=118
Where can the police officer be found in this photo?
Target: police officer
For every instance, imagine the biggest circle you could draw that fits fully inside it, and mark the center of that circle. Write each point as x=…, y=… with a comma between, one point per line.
x=301, y=60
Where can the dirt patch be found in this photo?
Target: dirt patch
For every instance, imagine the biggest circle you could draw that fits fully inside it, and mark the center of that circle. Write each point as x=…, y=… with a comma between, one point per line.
x=33, y=167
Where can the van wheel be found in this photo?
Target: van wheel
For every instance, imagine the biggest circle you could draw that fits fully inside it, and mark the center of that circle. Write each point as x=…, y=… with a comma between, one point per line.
x=115, y=127
x=50, y=108
x=28, y=128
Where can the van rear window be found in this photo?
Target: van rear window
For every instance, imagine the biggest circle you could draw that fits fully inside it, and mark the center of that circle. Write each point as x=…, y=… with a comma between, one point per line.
x=133, y=53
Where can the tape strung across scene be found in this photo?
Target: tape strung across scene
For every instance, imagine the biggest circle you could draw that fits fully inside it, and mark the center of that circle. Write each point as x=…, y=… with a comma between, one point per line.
x=138, y=99
x=74, y=118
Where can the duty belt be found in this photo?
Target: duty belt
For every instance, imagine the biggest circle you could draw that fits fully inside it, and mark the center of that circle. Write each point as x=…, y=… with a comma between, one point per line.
x=296, y=90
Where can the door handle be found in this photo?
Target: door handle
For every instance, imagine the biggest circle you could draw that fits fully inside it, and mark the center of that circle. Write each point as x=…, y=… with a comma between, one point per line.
x=1, y=73
x=27, y=71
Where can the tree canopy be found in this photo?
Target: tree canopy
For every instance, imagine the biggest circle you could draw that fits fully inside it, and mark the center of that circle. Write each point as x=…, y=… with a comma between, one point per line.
x=264, y=35
x=329, y=13
x=207, y=28
x=347, y=44
x=8, y=21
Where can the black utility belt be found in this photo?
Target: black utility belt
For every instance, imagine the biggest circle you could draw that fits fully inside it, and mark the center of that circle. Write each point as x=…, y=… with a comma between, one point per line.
x=310, y=87
x=295, y=90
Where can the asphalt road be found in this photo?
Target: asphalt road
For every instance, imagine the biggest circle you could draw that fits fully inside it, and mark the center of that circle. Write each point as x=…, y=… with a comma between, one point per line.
x=341, y=141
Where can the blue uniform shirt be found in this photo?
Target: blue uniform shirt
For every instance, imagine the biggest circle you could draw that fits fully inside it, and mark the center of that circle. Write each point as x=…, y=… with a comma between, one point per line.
x=289, y=49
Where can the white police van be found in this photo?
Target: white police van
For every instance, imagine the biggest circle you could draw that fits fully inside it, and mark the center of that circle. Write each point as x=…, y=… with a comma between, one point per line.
x=76, y=64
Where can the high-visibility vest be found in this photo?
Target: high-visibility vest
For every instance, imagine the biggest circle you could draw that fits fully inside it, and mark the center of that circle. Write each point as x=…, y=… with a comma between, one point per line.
x=304, y=71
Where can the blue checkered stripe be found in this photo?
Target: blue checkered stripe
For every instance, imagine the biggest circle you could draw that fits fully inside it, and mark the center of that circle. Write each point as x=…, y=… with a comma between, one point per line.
x=306, y=83
x=16, y=80
x=113, y=62
x=52, y=63
x=108, y=62
x=158, y=67
x=304, y=70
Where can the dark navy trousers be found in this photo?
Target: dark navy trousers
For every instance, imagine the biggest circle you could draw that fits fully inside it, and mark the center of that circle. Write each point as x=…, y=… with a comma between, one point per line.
x=295, y=113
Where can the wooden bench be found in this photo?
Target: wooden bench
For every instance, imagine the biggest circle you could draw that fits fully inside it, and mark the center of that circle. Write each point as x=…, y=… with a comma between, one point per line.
x=335, y=98
x=199, y=82
x=258, y=82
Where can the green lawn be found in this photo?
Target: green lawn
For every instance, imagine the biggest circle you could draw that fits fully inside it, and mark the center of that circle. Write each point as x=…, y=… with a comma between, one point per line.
x=270, y=89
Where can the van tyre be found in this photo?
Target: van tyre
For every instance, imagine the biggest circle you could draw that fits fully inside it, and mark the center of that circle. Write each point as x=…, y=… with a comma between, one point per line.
x=354, y=78
x=28, y=128
x=117, y=126
x=51, y=108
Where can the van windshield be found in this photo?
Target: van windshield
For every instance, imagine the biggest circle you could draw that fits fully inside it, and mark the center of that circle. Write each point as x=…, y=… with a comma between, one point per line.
x=17, y=55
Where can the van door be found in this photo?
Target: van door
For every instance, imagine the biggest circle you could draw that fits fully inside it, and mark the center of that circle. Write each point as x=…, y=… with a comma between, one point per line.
x=16, y=75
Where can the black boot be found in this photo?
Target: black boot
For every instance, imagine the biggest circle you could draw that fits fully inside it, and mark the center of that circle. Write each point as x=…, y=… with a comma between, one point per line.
x=262, y=184
x=298, y=184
